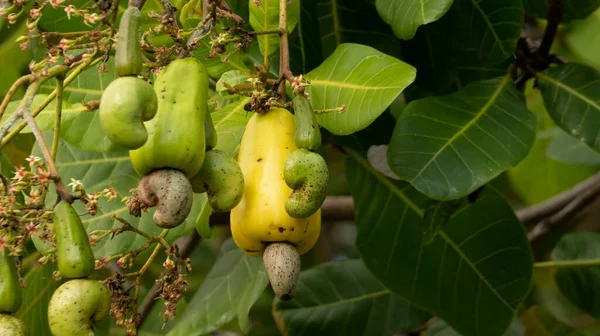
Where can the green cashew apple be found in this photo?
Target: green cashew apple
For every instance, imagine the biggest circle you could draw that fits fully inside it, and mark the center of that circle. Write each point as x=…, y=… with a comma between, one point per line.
x=222, y=179
x=12, y=326
x=75, y=257
x=308, y=134
x=171, y=192
x=10, y=290
x=75, y=305
x=210, y=132
x=176, y=137
x=125, y=105
x=128, y=56
x=307, y=174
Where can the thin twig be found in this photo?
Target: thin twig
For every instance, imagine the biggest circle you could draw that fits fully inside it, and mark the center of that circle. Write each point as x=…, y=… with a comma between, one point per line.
x=185, y=246
x=554, y=16
x=284, y=51
x=27, y=79
x=59, y=103
x=536, y=213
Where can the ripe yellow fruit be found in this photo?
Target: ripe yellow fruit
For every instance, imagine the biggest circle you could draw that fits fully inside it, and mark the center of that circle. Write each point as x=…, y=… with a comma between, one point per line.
x=260, y=218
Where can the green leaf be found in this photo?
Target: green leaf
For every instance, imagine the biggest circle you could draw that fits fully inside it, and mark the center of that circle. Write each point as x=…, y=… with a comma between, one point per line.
x=447, y=147
x=266, y=17
x=480, y=258
x=492, y=28
x=354, y=21
x=441, y=328
x=230, y=122
x=571, y=94
x=305, y=42
x=98, y=171
x=203, y=220
x=233, y=285
x=39, y=287
x=84, y=130
x=343, y=298
x=572, y=9
x=217, y=66
x=436, y=215
x=567, y=149
x=231, y=78
x=540, y=322
x=363, y=79
x=578, y=284
x=405, y=16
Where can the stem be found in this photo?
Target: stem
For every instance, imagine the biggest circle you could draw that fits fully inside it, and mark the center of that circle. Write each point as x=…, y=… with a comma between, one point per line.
x=59, y=100
x=266, y=32
x=284, y=59
x=554, y=16
x=27, y=79
x=568, y=263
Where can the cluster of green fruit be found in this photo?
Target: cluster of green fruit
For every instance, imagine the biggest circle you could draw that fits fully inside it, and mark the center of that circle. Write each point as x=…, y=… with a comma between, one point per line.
x=274, y=189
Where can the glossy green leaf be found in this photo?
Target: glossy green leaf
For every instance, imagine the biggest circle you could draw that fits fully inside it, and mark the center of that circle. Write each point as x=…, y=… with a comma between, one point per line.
x=567, y=149
x=230, y=122
x=480, y=258
x=39, y=287
x=343, y=298
x=571, y=94
x=98, y=171
x=233, y=285
x=436, y=215
x=492, y=28
x=84, y=130
x=572, y=9
x=405, y=16
x=363, y=79
x=203, y=221
x=578, y=284
x=540, y=322
x=266, y=17
x=447, y=147
x=353, y=21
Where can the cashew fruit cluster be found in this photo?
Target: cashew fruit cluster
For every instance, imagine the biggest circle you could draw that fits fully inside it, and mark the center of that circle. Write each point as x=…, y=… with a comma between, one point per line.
x=79, y=302
x=10, y=297
x=279, y=177
x=128, y=101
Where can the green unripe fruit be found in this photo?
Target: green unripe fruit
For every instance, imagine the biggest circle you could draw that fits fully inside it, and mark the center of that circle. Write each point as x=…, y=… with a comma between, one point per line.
x=222, y=180
x=75, y=305
x=171, y=192
x=75, y=257
x=308, y=134
x=211, y=132
x=10, y=290
x=12, y=326
x=128, y=56
x=125, y=104
x=307, y=174
x=176, y=135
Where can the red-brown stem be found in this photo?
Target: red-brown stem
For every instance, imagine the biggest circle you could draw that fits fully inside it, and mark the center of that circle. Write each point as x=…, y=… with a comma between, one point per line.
x=284, y=49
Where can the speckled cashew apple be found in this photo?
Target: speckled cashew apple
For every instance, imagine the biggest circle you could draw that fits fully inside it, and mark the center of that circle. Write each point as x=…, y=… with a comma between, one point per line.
x=76, y=305
x=259, y=223
x=11, y=325
x=176, y=137
x=222, y=180
x=75, y=258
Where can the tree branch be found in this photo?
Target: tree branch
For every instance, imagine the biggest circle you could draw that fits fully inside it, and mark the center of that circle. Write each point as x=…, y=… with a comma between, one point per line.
x=554, y=16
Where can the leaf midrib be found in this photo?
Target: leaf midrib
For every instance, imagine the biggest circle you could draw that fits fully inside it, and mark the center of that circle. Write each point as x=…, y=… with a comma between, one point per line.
x=569, y=89
x=343, y=301
x=468, y=125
